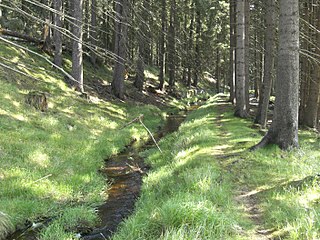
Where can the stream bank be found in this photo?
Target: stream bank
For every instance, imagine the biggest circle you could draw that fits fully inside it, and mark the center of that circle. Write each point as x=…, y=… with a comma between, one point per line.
x=125, y=171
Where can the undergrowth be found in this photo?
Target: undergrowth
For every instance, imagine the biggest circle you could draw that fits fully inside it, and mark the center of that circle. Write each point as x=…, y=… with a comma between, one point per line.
x=187, y=195
x=191, y=190
x=50, y=160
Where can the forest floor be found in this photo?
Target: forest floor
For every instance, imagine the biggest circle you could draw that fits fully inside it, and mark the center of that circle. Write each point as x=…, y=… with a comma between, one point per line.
x=51, y=160
x=207, y=185
x=204, y=185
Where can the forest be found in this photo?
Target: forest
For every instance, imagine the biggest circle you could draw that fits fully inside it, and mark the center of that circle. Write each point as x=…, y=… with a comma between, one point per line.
x=169, y=119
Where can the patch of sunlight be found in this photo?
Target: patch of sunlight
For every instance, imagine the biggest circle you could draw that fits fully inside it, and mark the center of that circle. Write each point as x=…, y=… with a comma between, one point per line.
x=204, y=184
x=19, y=117
x=120, y=113
x=225, y=120
x=51, y=105
x=16, y=104
x=95, y=100
x=39, y=158
x=26, y=70
x=156, y=177
x=60, y=192
x=15, y=173
x=86, y=178
x=186, y=154
x=68, y=110
x=149, y=74
x=219, y=148
x=3, y=112
x=50, y=121
x=95, y=133
x=114, y=150
x=113, y=125
x=15, y=59
x=55, y=136
x=7, y=96
x=134, y=132
x=308, y=198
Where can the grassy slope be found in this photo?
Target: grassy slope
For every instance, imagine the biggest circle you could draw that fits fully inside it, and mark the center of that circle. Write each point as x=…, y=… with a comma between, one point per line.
x=191, y=191
x=49, y=161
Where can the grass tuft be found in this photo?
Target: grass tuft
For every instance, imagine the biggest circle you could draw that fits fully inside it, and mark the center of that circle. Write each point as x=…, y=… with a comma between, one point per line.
x=50, y=160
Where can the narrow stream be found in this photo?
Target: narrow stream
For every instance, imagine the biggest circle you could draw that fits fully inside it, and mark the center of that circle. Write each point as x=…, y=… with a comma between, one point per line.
x=125, y=171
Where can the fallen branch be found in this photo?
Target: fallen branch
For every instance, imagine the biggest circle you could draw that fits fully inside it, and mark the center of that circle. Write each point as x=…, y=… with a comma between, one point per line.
x=45, y=177
x=139, y=118
x=135, y=168
x=26, y=37
x=154, y=140
x=132, y=121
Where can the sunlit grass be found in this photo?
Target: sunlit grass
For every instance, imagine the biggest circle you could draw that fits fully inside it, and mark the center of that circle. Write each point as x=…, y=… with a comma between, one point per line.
x=187, y=195
x=191, y=191
x=49, y=161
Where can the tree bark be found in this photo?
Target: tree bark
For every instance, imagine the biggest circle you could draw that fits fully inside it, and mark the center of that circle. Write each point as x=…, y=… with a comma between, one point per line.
x=232, y=52
x=284, y=128
x=77, y=58
x=121, y=28
x=143, y=42
x=197, y=47
x=311, y=110
x=218, y=70
x=171, y=45
x=57, y=36
x=93, y=32
x=26, y=37
x=305, y=64
x=162, y=44
x=241, y=108
x=268, y=63
x=247, y=53
x=190, y=47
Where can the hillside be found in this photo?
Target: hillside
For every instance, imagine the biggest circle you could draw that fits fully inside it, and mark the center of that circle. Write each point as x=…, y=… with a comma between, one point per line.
x=50, y=160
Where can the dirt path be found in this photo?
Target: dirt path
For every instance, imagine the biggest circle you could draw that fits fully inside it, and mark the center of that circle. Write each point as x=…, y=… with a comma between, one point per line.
x=244, y=196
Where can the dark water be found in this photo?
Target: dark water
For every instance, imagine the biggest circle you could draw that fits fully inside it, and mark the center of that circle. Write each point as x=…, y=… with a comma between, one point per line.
x=125, y=172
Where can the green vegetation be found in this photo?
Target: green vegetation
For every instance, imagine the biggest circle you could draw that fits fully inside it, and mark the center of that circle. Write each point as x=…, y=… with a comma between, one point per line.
x=187, y=195
x=50, y=160
x=192, y=191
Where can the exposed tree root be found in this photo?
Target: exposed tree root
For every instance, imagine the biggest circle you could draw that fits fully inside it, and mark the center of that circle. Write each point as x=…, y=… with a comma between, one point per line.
x=264, y=142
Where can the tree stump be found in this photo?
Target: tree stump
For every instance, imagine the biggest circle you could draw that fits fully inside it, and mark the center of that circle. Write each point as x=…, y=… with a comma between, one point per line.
x=38, y=100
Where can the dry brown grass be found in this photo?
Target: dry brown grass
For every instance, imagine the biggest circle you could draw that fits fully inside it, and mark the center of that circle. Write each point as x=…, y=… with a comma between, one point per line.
x=5, y=225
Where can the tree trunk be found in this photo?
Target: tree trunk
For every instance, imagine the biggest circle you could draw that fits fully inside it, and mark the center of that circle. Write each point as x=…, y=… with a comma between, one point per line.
x=93, y=32
x=86, y=29
x=284, y=128
x=247, y=53
x=57, y=36
x=241, y=108
x=305, y=64
x=121, y=9
x=77, y=59
x=268, y=63
x=143, y=42
x=218, y=70
x=162, y=45
x=190, y=46
x=0, y=13
x=171, y=44
x=140, y=74
x=197, y=47
x=232, y=67
x=46, y=32
x=311, y=110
